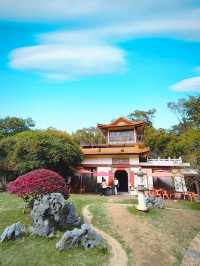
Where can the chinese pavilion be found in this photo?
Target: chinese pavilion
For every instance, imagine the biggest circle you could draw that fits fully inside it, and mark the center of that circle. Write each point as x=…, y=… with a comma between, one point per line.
x=124, y=154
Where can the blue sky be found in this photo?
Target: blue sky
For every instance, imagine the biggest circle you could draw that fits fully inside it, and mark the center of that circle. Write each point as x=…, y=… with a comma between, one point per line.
x=73, y=64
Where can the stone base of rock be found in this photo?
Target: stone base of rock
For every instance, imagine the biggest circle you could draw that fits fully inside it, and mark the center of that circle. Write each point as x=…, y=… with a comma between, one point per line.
x=154, y=202
x=52, y=211
x=84, y=237
x=13, y=232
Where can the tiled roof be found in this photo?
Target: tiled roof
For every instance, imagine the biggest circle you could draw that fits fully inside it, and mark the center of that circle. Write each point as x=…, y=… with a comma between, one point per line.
x=121, y=122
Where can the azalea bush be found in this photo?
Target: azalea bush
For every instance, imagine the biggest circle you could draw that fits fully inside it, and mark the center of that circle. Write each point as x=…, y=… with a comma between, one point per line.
x=37, y=183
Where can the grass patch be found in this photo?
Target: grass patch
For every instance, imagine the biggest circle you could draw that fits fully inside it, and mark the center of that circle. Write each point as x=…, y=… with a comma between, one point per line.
x=190, y=205
x=183, y=204
x=152, y=213
x=32, y=250
x=127, y=201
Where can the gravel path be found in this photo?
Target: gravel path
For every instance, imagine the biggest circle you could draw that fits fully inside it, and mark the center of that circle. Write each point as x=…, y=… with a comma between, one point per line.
x=118, y=255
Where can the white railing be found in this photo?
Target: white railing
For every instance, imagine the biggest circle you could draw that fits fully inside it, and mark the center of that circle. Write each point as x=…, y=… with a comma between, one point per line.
x=167, y=161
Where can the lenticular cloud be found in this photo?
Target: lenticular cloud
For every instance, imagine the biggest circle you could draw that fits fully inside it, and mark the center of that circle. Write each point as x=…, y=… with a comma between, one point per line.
x=71, y=54
x=66, y=61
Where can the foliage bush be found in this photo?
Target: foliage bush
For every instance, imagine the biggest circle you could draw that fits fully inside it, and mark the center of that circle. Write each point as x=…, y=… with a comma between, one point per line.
x=37, y=183
x=36, y=149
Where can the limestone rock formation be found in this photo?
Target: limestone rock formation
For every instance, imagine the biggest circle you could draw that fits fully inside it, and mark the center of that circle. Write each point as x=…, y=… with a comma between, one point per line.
x=155, y=202
x=13, y=232
x=68, y=215
x=52, y=211
x=84, y=237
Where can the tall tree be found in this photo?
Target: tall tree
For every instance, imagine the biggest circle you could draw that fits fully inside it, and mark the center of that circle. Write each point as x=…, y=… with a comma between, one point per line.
x=188, y=131
x=12, y=125
x=88, y=136
x=188, y=113
x=146, y=116
x=30, y=150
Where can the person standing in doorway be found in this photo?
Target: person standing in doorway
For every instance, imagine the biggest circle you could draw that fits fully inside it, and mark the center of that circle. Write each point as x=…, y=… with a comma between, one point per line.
x=116, y=184
x=103, y=187
x=99, y=182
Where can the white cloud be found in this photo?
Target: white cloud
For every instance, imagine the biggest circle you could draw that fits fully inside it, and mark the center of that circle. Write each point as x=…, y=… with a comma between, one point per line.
x=62, y=10
x=66, y=62
x=190, y=84
x=82, y=52
x=183, y=27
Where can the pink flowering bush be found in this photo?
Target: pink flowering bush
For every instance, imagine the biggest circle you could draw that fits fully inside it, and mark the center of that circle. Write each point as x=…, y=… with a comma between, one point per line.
x=37, y=183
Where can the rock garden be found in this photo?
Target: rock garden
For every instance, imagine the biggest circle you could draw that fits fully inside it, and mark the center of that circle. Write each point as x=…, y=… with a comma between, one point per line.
x=51, y=215
x=51, y=230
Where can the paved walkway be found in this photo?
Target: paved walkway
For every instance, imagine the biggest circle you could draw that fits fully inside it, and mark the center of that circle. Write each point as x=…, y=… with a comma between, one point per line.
x=118, y=255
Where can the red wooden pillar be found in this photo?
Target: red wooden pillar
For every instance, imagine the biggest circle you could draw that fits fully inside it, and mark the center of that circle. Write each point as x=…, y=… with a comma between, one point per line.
x=110, y=178
x=132, y=178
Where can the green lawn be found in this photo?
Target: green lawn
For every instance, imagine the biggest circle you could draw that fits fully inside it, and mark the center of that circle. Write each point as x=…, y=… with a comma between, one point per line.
x=178, y=225
x=38, y=251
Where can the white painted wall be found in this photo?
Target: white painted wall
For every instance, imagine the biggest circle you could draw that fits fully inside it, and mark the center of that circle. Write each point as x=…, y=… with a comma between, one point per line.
x=135, y=169
x=102, y=160
x=134, y=159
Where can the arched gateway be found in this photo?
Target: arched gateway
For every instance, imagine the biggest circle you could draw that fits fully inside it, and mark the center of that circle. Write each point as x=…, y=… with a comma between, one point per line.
x=122, y=177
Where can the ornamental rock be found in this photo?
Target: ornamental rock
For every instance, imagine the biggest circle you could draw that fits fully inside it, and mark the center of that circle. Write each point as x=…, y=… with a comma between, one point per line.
x=84, y=237
x=52, y=211
x=13, y=232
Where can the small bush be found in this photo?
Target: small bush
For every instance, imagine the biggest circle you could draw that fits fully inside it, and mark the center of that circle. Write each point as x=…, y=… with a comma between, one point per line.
x=37, y=183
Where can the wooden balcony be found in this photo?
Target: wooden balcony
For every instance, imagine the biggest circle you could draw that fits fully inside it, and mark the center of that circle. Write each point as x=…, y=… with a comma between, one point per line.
x=108, y=149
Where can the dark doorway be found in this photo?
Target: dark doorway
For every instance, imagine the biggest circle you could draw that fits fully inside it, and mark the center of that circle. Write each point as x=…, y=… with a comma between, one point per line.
x=122, y=177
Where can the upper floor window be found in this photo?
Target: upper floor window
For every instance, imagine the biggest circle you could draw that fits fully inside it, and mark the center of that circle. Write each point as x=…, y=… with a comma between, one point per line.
x=120, y=137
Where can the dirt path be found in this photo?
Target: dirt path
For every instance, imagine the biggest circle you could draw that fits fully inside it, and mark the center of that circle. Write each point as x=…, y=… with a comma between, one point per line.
x=149, y=247
x=118, y=255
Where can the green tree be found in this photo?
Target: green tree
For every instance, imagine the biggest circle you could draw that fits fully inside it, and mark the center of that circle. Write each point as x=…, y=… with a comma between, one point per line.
x=12, y=125
x=30, y=150
x=146, y=116
x=188, y=113
x=188, y=132
x=157, y=140
x=88, y=136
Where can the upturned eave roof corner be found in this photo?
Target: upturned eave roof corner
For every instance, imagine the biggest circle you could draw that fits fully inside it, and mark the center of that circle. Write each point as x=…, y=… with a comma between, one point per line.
x=121, y=122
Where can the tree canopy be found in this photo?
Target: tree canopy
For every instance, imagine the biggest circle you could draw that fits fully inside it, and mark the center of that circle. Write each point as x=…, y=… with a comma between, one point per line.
x=12, y=125
x=188, y=113
x=184, y=137
x=146, y=116
x=88, y=136
x=30, y=150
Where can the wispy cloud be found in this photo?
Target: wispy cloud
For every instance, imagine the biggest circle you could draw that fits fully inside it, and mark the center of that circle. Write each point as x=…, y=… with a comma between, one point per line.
x=67, y=62
x=190, y=84
x=83, y=52
x=63, y=10
x=185, y=26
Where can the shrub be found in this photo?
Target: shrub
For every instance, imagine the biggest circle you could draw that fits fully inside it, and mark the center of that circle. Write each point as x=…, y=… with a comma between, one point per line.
x=37, y=183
